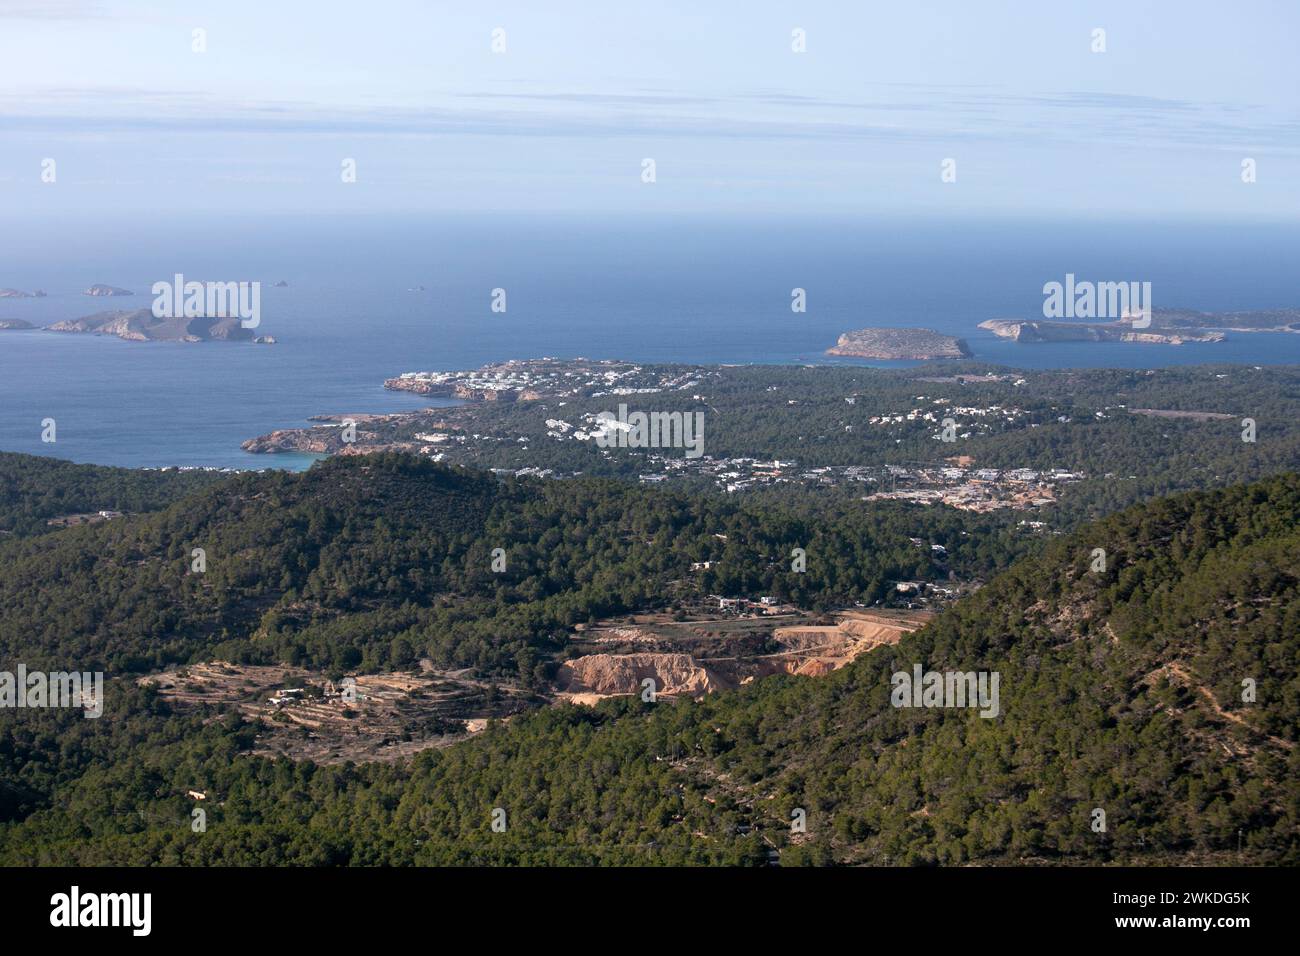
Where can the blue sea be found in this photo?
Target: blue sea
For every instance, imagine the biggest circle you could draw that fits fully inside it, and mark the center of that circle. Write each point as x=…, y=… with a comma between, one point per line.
x=648, y=290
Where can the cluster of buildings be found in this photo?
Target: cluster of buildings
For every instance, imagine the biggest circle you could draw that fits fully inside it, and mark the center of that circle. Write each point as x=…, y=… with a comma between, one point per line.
x=547, y=378
x=971, y=418
x=971, y=489
x=741, y=605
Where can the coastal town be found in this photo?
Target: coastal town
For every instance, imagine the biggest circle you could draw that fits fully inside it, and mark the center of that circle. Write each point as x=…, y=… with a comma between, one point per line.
x=534, y=379
x=554, y=418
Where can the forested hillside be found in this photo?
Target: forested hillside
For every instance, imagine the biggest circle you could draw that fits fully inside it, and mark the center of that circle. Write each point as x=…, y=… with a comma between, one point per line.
x=1121, y=691
x=33, y=490
x=373, y=562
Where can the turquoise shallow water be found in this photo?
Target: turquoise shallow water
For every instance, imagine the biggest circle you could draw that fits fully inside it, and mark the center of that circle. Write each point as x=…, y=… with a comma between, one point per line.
x=659, y=291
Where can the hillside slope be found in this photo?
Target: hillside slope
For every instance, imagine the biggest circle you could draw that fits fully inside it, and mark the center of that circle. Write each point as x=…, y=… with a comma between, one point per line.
x=1120, y=691
x=372, y=562
x=34, y=489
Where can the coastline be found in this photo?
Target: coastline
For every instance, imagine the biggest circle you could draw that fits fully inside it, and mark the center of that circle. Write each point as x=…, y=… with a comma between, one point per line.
x=117, y=404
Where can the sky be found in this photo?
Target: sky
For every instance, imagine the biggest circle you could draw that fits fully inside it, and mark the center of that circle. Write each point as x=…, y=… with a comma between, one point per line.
x=1036, y=121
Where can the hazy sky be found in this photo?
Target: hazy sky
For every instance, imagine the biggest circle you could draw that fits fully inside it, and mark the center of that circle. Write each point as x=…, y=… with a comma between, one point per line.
x=859, y=124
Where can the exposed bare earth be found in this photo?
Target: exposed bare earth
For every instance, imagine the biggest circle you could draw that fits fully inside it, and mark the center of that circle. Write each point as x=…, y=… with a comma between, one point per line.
x=391, y=716
x=602, y=675
x=304, y=716
x=1177, y=673
x=695, y=658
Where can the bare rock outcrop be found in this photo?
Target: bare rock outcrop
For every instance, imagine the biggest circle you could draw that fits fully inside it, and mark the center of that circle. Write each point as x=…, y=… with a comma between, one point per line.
x=675, y=675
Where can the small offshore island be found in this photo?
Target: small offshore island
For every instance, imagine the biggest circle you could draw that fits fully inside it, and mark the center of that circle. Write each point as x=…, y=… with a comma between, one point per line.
x=1167, y=327
x=141, y=325
x=899, y=344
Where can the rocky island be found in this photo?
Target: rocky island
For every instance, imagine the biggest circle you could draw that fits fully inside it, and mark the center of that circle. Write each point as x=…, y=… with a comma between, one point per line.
x=100, y=289
x=889, y=343
x=1042, y=331
x=141, y=325
x=1167, y=327
x=20, y=294
x=14, y=324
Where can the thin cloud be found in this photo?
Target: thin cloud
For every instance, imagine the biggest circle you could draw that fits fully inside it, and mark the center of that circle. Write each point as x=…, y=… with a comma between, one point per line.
x=955, y=114
x=52, y=10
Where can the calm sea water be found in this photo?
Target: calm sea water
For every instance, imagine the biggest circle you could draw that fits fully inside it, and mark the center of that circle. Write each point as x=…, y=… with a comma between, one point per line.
x=650, y=291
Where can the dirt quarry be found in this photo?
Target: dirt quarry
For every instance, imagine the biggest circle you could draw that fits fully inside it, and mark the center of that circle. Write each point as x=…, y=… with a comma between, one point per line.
x=856, y=632
x=693, y=658
x=674, y=675
x=303, y=715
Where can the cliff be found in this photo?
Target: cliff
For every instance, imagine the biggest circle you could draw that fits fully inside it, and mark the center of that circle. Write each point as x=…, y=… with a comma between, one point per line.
x=453, y=390
x=1037, y=331
x=673, y=674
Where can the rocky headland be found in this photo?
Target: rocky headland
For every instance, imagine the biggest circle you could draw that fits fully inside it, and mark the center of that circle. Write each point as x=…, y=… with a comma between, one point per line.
x=1041, y=331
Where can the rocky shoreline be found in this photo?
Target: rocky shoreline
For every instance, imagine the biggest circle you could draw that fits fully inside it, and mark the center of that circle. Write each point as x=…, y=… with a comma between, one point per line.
x=899, y=344
x=1039, y=331
x=141, y=325
x=1167, y=327
x=507, y=384
x=458, y=390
